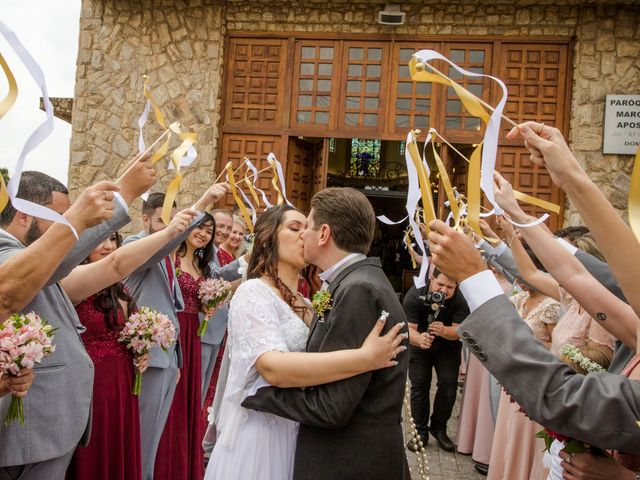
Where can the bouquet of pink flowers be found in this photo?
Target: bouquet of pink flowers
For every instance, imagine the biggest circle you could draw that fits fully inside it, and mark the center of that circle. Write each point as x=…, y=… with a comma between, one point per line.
x=146, y=329
x=213, y=293
x=24, y=341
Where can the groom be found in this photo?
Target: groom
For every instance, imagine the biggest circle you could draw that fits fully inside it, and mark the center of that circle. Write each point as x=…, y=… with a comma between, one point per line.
x=352, y=428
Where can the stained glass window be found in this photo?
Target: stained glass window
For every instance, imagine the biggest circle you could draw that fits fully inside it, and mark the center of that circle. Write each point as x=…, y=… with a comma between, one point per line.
x=365, y=158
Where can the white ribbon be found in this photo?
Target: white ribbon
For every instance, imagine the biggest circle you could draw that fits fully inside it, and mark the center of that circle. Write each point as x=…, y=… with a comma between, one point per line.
x=36, y=137
x=491, y=135
x=388, y=221
x=283, y=182
x=254, y=215
x=255, y=179
x=413, y=197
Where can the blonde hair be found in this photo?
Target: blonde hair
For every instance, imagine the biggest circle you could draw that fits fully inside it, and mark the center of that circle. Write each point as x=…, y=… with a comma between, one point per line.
x=597, y=354
x=241, y=250
x=588, y=244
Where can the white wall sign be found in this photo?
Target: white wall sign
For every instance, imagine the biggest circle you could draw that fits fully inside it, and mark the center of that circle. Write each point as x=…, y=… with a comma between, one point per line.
x=622, y=124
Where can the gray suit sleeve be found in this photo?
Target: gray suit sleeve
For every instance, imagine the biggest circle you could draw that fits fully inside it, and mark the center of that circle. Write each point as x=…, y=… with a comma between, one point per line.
x=169, y=247
x=229, y=272
x=600, y=409
x=89, y=240
x=504, y=262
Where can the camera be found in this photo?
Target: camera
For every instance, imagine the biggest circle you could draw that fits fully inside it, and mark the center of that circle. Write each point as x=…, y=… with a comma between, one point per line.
x=435, y=298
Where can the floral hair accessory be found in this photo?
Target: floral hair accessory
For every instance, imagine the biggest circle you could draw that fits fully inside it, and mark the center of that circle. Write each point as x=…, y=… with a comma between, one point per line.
x=572, y=353
x=321, y=303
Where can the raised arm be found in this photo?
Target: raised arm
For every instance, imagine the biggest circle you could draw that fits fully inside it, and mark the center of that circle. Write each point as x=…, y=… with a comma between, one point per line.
x=550, y=392
x=615, y=239
x=85, y=280
x=24, y=274
x=612, y=313
x=539, y=280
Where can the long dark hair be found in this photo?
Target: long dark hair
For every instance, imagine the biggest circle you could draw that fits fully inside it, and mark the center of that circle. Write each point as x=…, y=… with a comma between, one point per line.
x=202, y=256
x=107, y=300
x=264, y=256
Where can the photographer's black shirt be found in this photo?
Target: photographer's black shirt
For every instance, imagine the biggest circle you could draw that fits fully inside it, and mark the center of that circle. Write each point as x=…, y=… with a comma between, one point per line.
x=416, y=309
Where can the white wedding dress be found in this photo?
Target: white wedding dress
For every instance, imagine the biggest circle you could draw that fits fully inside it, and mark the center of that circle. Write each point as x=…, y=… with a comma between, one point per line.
x=255, y=445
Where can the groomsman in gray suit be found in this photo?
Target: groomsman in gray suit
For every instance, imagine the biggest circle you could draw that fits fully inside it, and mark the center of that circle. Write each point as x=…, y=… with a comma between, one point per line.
x=212, y=339
x=58, y=406
x=599, y=409
x=155, y=285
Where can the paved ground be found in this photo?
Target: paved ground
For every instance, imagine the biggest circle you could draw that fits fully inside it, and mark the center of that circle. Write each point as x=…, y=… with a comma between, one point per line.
x=444, y=465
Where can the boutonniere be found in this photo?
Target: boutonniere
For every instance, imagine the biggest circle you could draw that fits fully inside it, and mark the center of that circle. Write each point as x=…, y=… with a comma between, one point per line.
x=321, y=303
x=178, y=272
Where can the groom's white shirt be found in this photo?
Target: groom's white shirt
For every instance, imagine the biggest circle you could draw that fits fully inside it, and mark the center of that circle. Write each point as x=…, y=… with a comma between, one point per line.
x=329, y=273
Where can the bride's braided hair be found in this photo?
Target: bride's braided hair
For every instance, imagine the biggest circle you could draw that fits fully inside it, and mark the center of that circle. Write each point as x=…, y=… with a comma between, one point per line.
x=264, y=256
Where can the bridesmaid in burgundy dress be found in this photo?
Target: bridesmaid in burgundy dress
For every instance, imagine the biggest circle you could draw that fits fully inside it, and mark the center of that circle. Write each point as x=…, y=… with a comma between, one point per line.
x=103, y=305
x=180, y=454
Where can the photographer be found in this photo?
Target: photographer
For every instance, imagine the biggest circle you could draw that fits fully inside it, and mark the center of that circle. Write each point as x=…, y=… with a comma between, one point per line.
x=433, y=313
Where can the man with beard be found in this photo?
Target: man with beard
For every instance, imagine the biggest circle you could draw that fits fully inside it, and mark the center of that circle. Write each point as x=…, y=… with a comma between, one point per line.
x=58, y=405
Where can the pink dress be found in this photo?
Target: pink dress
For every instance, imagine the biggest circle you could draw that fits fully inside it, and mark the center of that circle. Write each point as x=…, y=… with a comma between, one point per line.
x=475, y=427
x=516, y=454
x=576, y=327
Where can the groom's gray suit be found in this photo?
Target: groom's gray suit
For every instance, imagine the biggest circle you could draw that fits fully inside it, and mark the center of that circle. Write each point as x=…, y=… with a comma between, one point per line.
x=149, y=285
x=58, y=406
x=601, y=409
x=212, y=338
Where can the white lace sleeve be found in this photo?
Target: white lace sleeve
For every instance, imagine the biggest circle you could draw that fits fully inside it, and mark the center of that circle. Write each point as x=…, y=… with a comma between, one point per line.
x=254, y=328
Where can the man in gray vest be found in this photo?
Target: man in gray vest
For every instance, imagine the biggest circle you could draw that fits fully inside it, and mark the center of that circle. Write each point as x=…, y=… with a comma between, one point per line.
x=155, y=285
x=58, y=406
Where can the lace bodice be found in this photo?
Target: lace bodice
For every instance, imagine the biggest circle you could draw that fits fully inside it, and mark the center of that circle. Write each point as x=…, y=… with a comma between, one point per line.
x=189, y=287
x=548, y=311
x=259, y=322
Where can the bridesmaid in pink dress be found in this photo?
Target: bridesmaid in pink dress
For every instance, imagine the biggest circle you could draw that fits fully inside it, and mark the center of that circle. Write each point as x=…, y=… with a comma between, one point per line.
x=476, y=426
x=180, y=454
x=516, y=454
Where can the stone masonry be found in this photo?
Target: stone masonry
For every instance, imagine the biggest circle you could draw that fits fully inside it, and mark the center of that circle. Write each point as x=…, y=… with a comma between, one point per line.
x=180, y=45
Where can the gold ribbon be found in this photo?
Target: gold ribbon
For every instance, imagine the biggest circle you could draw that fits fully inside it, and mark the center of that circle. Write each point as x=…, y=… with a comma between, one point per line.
x=448, y=189
x=10, y=98
x=634, y=197
x=471, y=103
x=234, y=191
x=428, y=212
x=5, y=105
x=164, y=148
x=252, y=190
x=412, y=253
x=473, y=190
x=523, y=197
x=274, y=181
x=188, y=139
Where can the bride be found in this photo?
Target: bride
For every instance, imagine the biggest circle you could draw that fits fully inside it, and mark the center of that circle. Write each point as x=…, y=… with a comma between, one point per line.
x=268, y=329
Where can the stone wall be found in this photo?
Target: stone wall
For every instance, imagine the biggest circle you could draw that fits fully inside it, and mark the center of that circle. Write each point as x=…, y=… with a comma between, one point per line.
x=179, y=44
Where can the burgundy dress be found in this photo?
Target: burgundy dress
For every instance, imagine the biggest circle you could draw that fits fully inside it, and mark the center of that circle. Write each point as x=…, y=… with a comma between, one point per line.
x=180, y=455
x=113, y=452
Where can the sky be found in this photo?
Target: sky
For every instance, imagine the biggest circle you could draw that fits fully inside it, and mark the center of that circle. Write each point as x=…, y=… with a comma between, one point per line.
x=49, y=31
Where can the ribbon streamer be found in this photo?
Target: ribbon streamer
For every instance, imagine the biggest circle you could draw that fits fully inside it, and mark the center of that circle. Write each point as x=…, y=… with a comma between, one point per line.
x=10, y=98
x=278, y=178
x=634, y=197
x=475, y=108
x=188, y=139
x=386, y=220
x=234, y=191
x=473, y=190
x=448, y=189
x=252, y=190
x=253, y=168
x=36, y=137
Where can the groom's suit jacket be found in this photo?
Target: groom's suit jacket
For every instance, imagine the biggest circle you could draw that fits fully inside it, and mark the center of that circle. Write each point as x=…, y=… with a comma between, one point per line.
x=57, y=408
x=349, y=429
x=601, y=409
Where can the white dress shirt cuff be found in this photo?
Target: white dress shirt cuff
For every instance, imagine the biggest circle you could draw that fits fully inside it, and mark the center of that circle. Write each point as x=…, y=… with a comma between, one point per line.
x=567, y=246
x=242, y=262
x=480, y=288
x=118, y=197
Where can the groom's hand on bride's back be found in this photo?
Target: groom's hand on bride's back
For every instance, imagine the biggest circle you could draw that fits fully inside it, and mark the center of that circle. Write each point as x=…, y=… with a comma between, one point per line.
x=381, y=350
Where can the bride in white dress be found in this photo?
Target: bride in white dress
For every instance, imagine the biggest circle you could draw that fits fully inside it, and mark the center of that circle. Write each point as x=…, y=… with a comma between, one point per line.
x=268, y=329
